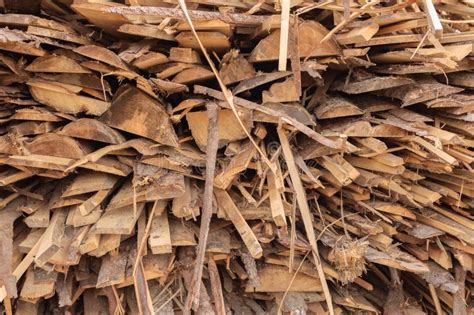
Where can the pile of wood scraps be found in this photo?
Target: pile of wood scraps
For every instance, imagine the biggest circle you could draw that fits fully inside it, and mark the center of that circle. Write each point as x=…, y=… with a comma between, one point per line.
x=237, y=157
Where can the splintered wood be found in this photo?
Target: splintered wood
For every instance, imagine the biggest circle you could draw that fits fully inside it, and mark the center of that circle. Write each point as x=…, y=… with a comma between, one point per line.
x=236, y=157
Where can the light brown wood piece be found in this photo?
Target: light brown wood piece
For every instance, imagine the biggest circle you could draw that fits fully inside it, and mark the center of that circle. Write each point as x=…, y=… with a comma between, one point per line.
x=209, y=25
x=193, y=74
x=31, y=239
x=276, y=203
x=76, y=219
x=118, y=221
x=402, y=26
x=87, y=182
x=112, y=270
x=186, y=55
x=310, y=34
x=39, y=219
x=228, y=125
x=212, y=41
x=135, y=112
x=151, y=31
x=149, y=60
x=281, y=92
x=358, y=34
x=64, y=100
x=440, y=256
x=90, y=243
x=170, y=185
x=92, y=129
x=235, y=68
x=332, y=107
x=233, y=213
x=182, y=234
x=33, y=290
x=107, y=243
x=25, y=20
x=160, y=238
x=51, y=241
x=93, y=202
x=276, y=279
x=236, y=165
x=433, y=19
x=61, y=35
x=187, y=205
x=286, y=118
x=14, y=44
x=56, y=64
x=101, y=54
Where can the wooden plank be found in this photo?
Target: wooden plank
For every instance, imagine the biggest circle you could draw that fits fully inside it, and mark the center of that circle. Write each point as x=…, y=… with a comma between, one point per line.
x=284, y=28
x=118, y=221
x=51, y=240
x=160, y=238
x=305, y=212
x=233, y=213
x=276, y=202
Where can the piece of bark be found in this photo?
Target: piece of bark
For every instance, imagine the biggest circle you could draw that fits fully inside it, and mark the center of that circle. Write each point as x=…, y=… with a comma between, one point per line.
x=422, y=91
x=112, y=270
x=211, y=156
x=369, y=84
x=440, y=278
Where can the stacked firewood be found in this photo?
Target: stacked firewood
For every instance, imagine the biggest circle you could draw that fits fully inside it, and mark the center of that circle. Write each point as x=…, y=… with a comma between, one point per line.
x=236, y=157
